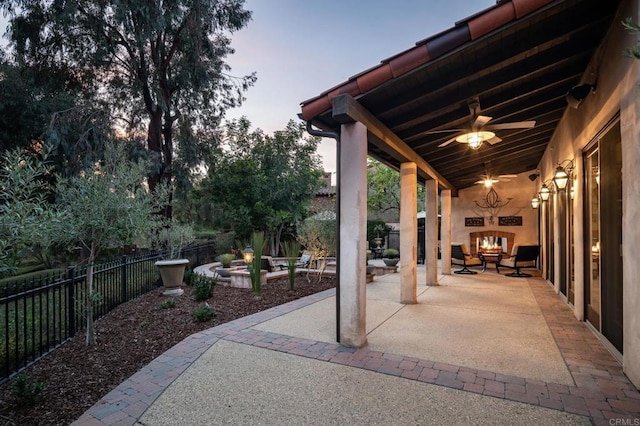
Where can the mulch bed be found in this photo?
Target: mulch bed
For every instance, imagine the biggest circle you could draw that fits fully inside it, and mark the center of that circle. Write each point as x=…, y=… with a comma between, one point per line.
x=77, y=376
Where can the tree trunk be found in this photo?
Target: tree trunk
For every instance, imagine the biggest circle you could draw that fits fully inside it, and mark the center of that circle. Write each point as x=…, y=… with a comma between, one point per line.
x=167, y=159
x=91, y=332
x=154, y=141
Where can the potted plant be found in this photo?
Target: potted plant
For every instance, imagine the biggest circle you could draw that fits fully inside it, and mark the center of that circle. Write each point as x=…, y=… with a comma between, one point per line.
x=225, y=259
x=390, y=257
x=174, y=237
x=370, y=268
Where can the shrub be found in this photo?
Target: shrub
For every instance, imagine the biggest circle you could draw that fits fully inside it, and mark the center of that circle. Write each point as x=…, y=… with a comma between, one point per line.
x=188, y=277
x=26, y=392
x=390, y=253
x=168, y=304
x=226, y=259
x=202, y=287
x=225, y=242
x=204, y=313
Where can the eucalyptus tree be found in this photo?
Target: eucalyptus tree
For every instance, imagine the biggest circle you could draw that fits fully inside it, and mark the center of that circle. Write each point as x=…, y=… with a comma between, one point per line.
x=160, y=63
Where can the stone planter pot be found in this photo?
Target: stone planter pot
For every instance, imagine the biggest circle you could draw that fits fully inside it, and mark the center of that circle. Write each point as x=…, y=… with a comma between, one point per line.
x=391, y=262
x=224, y=272
x=172, y=274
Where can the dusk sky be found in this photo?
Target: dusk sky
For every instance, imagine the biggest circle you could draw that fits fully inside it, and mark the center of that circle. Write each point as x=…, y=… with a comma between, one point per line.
x=299, y=48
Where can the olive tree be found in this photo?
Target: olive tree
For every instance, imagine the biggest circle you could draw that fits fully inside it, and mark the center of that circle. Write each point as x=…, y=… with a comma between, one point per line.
x=24, y=214
x=108, y=205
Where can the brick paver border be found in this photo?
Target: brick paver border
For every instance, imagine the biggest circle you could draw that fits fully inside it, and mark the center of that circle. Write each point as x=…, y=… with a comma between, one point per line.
x=601, y=392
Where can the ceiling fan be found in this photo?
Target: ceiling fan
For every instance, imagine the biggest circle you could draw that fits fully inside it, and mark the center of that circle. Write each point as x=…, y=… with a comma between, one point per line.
x=488, y=180
x=480, y=130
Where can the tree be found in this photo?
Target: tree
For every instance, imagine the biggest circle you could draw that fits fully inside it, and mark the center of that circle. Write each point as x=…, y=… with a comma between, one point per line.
x=263, y=182
x=23, y=213
x=107, y=206
x=384, y=189
x=161, y=64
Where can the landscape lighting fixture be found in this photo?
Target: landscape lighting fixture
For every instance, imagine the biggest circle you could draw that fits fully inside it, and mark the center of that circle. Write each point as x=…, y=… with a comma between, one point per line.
x=247, y=255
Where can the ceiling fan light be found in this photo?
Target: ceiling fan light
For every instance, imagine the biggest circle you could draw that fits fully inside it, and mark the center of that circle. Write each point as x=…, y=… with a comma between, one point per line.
x=488, y=183
x=475, y=139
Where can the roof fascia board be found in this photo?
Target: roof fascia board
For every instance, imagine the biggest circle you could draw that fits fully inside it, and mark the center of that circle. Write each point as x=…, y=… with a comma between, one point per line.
x=347, y=110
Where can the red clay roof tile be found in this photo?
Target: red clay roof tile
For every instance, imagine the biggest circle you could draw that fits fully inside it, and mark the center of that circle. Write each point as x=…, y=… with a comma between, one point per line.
x=409, y=60
x=374, y=78
x=523, y=7
x=494, y=18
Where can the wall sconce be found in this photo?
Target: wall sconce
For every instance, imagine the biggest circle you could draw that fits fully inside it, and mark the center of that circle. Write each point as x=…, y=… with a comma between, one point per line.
x=535, y=202
x=578, y=93
x=563, y=174
x=247, y=255
x=544, y=193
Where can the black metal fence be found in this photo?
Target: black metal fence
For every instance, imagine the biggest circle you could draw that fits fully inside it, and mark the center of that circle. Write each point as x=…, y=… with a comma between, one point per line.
x=38, y=315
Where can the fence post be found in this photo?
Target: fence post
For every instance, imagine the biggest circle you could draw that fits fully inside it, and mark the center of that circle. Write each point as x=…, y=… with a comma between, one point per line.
x=71, y=301
x=124, y=278
x=197, y=256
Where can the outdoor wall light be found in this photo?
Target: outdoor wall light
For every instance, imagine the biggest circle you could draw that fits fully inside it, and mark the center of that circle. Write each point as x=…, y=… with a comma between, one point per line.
x=561, y=178
x=535, y=202
x=247, y=255
x=545, y=192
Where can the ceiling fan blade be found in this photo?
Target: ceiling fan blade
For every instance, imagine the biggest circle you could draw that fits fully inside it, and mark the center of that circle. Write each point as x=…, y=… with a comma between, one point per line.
x=453, y=139
x=481, y=121
x=507, y=176
x=444, y=131
x=494, y=140
x=514, y=125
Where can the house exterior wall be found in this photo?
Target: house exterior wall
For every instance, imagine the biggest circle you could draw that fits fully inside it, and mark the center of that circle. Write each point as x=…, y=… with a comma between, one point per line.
x=617, y=91
x=520, y=189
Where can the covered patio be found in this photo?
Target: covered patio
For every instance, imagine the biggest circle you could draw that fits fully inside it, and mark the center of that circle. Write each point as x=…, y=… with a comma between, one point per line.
x=520, y=89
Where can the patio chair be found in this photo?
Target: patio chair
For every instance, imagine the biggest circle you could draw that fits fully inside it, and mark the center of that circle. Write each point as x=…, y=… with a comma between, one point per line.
x=460, y=255
x=266, y=263
x=522, y=256
x=304, y=261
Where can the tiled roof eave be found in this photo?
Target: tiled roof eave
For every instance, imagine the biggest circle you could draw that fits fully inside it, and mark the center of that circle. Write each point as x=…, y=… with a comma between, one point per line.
x=427, y=50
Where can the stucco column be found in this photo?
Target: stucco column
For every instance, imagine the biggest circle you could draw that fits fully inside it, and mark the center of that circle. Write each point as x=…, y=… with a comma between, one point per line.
x=431, y=231
x=408, y=233
x=353, y=234
x=445, y=231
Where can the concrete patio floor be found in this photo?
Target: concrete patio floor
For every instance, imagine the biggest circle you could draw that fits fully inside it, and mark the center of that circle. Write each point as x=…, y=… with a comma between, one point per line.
x=480, y=349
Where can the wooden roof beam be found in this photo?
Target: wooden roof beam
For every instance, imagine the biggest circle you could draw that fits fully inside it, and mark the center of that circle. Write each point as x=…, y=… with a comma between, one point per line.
x=347, y=110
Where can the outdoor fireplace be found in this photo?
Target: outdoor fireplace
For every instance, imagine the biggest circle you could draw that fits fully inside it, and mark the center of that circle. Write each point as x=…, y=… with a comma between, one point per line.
x=491, y=245
x=493, y=242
